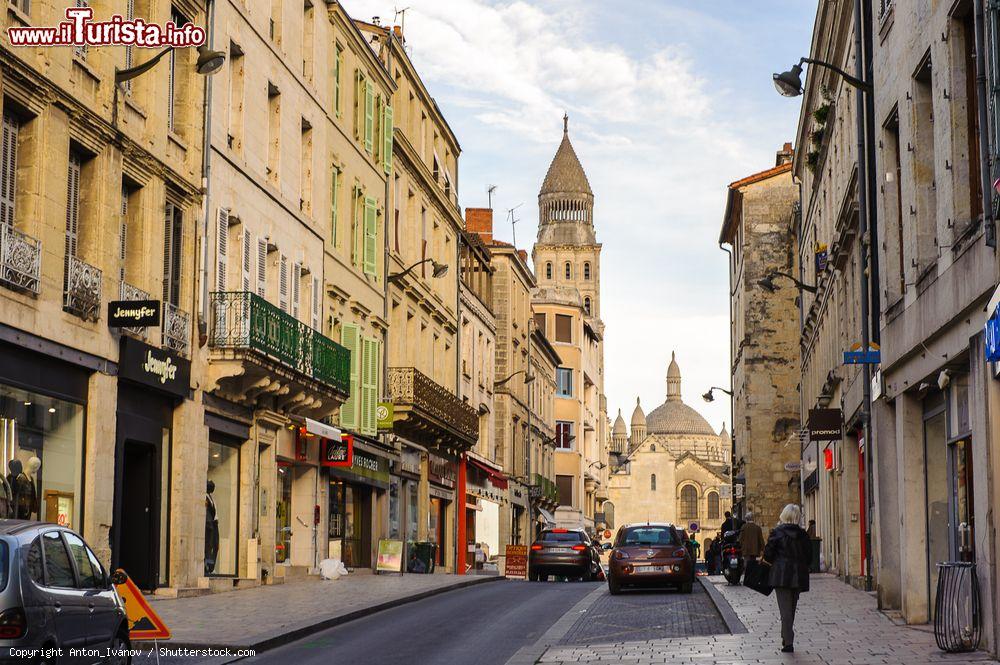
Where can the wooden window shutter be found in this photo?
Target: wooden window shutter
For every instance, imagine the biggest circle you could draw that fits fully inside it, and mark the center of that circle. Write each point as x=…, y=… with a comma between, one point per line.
x=247, y=260
x=369, y=386
x=283, y=283
x=317, y=298
x=371, y=237
x=334, y=213
x=369, y=116
x=357, y=203
x=8, y=169
x=296, y=288
x=222, y=249
x=123, y=235
x=168, y=239
x=359, y=104
x=564, y=328
x=262, y=267
x=387, y=139
x=72, y=213
x=338, y=65
x=350, y=339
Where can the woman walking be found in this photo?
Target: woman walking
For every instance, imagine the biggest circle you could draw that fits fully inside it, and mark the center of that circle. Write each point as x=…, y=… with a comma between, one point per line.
x=788, y=553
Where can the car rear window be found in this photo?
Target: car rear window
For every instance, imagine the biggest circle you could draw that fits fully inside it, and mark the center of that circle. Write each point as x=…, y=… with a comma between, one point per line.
x=650, y=535
x=562, y=536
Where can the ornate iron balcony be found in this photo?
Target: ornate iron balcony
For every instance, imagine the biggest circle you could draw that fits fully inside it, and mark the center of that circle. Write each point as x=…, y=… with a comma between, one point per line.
x=82, y=295
x=176, y=328
x=20, y=260
x=128, y=292
x=244, y=320
x=434, y=404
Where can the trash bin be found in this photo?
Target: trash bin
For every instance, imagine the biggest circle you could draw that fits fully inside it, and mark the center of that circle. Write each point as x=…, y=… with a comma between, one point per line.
x=957, y=617
x=424, y=551
x=814, y=560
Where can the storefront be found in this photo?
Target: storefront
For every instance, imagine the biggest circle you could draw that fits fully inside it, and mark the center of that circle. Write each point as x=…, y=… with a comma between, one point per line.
x=404, y=496
x=151, y=383
x=441, y=513
x=227, y=438
x=486, y=491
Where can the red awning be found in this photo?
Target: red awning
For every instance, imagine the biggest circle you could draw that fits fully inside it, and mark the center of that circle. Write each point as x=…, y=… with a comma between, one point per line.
x=497, y=479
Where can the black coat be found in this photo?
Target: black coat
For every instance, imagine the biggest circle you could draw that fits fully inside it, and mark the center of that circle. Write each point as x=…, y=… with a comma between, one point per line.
x=789, y=552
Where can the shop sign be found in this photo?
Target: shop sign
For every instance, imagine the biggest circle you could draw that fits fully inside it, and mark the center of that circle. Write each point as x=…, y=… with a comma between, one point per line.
x=793, y=467
x=725, y=491
x=825, y=424
x=857, y=356
x=441, y=471
x=390, y=556
x=516, y=562
x=134, y=313
x=339, y=452
x=154, y=367
x=877, y=384
x=991, y=332
x=828, y=459
x=370, y=467
x=737, y=491
x=384, y=413
x=821, y=257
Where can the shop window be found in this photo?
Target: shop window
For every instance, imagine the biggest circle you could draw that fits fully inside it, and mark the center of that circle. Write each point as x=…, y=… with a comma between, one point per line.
x=564, y=328
x=44, y=438
x=411, y=511
x=283, y=515
x=222, y=507
x=565, y=486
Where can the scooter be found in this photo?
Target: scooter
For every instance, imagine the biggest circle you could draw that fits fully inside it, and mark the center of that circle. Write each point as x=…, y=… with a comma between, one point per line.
x=732, y=558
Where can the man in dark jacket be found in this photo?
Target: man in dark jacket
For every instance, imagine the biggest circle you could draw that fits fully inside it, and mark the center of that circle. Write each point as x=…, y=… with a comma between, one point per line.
x=788, y=553
x=751, y=539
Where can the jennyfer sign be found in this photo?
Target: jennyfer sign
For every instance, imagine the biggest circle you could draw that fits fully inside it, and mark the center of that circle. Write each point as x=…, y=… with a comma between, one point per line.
x=162, y=369
x=134, y=313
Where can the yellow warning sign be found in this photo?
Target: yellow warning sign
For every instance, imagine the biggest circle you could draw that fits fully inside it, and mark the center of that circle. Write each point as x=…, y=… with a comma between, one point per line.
x=143, y=622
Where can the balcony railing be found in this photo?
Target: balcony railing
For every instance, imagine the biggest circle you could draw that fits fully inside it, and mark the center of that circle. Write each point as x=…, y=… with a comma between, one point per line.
x=83, y=289
x=244, y=320
x=431, y=401
x=128, y=292
x=176, y=328
x=20, y=260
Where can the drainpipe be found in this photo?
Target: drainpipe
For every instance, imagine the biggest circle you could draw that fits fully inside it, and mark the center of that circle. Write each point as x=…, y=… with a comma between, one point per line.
x=732, y=398
x=206, y=180
x=387, y=227
x=984, y=142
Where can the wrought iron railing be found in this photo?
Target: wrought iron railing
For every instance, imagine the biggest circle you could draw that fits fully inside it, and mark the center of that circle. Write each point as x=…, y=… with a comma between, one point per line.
x=82, y=295
x=176, y=328
x=241, y=319
x=128, y=292
x=407, y=385
x=20, y=260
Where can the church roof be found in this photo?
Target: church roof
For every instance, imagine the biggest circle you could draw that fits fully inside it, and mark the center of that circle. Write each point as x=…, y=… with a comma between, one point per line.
x=674, y=416
x=638, y=417
x=565, y=174
x=619, y=428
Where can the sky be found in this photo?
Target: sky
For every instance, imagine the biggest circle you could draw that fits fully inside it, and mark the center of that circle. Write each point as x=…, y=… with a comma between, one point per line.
x=668, y=100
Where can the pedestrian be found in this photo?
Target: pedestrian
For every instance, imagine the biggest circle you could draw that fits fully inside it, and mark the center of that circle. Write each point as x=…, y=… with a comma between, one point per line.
x=709, y=553
x=811, y=529
x=729, y=524
x=788, y=553
x=751, y=539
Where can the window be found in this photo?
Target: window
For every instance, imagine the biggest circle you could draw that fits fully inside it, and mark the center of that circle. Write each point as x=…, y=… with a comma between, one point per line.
x=334, y=205
x=652, y=482
x=568, y=269
x=565, y=486
x=274, y=27
x=562, y=535
x=564, y=328
x=689, y=504
x=924, y=164
x=370, y=258
x=564, y=435
x=72, y=211
x=894, y=204
x=564, y=381
x=306, y=166
x=308, y=45
x=8, y=167
x=173, y=227
x=338, y=66
x=222, y=504
x=58, y=569
x=649, y=535
x=283, y=283
x=586, y=305
x=974, y=178
x=34, y=563
x=540, y=323
x=273, y=132
x=91, y=575
x=586, y=270
x=237, y=77
x=713, y=505
x=81, y=50
x=386, y=125
x=359, y=411
x=548, y=270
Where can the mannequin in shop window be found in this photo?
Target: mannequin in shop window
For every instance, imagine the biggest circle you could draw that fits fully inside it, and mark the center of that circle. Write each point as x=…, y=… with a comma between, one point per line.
x=211, y=529
x=22, y=489
x=7, y=493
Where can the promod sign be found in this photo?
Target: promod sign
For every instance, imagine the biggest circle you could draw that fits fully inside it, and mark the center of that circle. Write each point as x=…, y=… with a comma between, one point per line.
x=826, y=424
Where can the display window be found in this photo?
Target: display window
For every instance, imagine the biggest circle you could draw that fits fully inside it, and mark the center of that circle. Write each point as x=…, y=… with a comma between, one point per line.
x=222, y=508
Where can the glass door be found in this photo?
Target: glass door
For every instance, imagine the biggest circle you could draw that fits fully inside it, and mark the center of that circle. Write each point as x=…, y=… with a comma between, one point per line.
x=936, y=491
x=283, y=515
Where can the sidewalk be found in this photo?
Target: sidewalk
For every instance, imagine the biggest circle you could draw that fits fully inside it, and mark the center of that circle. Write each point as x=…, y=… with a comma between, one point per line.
x=267, y=616
x=835, y=625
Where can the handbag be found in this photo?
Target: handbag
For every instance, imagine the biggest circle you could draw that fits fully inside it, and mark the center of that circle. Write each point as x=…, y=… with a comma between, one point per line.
x=757, y=577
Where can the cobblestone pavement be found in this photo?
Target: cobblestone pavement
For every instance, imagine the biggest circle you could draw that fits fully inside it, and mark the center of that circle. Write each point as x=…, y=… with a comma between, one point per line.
x=836, y=625
x=646, y=615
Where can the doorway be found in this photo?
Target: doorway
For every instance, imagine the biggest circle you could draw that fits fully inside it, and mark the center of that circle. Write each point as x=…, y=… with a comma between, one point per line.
x=140, y=526
x=283, y=515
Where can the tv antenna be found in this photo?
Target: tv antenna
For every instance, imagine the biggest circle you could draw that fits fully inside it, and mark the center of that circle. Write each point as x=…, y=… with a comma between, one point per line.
x=489, y=194
x=513, y=221
x=402, y=21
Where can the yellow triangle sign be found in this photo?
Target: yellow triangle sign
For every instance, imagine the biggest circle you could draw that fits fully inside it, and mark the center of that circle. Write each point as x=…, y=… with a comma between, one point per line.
x=143, y=622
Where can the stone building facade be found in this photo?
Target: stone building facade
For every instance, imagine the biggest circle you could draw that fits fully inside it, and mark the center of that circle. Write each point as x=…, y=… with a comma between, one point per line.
x=758, y=227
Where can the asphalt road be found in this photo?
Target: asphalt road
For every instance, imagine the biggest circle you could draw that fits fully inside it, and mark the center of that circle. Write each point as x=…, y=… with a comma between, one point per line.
x=484, y=624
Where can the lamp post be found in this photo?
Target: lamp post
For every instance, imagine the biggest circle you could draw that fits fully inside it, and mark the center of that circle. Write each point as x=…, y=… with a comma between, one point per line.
x=709, y=396
x=768, y=282
x=438, y=270
x=789, y=84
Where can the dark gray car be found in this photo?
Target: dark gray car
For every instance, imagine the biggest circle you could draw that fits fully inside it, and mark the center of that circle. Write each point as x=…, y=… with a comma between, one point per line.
x=57, y=603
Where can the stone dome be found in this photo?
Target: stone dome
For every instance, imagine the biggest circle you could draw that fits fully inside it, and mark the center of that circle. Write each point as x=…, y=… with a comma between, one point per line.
x=619, y=428
x=638, y=417
x=674, y=416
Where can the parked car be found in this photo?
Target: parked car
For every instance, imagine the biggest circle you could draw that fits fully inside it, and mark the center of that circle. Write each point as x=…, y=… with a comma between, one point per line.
x=563, y=552
x=54, y=593
x=650, y=554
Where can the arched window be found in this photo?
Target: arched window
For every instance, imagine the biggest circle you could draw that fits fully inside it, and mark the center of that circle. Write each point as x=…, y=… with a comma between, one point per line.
x=586, y=305
x=713, y=505
x=548, y=270
x=586, y=270
x=652, y=482
x=569, y=270
x=689, y=504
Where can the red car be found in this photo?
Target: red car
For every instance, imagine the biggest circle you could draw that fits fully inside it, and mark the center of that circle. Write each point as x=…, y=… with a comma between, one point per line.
x=648, y=555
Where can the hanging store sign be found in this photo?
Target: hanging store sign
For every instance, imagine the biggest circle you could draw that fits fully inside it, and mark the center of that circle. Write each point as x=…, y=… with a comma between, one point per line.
x=441, y=471
x=134, y=313
x=821, y=257
x=339, y=452
x=857, y=356
x=826, y=424
x=384, y=413
x=992, y=329
x=157, y=368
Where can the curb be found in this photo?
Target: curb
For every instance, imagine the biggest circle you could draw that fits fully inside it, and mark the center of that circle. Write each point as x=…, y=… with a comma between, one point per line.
x=725, y=610
x=297, y=633
x=531, y=653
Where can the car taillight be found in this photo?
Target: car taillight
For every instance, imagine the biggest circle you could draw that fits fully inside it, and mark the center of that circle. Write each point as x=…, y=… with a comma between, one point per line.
x=536, y=546
x=579, y=548
x=620, y=555
x=13, y=624
x=680, y=552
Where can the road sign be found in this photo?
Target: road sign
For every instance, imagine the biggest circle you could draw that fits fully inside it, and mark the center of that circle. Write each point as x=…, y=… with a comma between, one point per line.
x=607, y=534
x=693, y=527
x=143, y=622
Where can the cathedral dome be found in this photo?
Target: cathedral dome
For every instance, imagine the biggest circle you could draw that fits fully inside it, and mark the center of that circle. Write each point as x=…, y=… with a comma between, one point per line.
x=565, y=174
x=674, y=416
x=638, y=417
x=619, y=428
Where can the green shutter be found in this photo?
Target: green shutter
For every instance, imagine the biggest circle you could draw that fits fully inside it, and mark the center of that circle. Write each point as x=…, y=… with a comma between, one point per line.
x=359, y=104
x=387, y=138
x=350, y=338
x=337, y=66
x=356, y=219
x=335, y=203
x=369, y=386
x=369, y=115
x=371, y=237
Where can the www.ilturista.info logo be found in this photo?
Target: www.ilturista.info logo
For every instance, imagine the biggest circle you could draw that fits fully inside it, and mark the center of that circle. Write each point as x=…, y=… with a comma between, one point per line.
x=79, y=29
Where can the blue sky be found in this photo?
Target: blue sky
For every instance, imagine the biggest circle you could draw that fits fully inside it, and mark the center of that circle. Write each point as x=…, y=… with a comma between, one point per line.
x=669, y=101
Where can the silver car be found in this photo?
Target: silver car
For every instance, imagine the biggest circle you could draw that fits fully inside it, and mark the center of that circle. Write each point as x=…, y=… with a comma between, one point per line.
x=57, y=603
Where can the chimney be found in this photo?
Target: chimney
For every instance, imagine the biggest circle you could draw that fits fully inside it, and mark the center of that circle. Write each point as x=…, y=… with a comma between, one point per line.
x=523, y=253
x=398, y=31
x=480, y=222
x=784, y=155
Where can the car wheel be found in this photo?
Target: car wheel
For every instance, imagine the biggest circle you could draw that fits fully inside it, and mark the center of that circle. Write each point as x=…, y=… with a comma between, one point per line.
x=119, y=653
x=588, y=576
x=532, y=576
x=614, y=588
x=542, y=577
x=687, y=587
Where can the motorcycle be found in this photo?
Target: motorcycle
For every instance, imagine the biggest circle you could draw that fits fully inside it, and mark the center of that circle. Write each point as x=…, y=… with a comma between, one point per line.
x=732, y=558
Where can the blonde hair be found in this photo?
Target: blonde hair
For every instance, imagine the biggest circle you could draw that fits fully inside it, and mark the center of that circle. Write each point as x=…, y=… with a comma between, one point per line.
x=791, y=514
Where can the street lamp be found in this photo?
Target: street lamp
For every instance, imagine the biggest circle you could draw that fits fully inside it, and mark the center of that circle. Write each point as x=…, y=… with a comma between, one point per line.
x=209, y=62
x=710, y=397
x=438, y=270
x=768, y=282
x=789, y=83
x=528, y=378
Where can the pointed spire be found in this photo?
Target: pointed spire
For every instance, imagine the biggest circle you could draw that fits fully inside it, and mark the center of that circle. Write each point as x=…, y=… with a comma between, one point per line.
x=565, y=123
x=673, y=379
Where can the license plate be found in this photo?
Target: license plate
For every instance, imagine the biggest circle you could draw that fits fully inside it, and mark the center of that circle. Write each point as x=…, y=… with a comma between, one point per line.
x=560, y=550
x=734, y=562
x=651, y=569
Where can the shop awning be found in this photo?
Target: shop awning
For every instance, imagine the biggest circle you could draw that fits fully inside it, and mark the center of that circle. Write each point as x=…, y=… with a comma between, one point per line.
x=322, y=429
x=549, y=518
x=497, y=479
